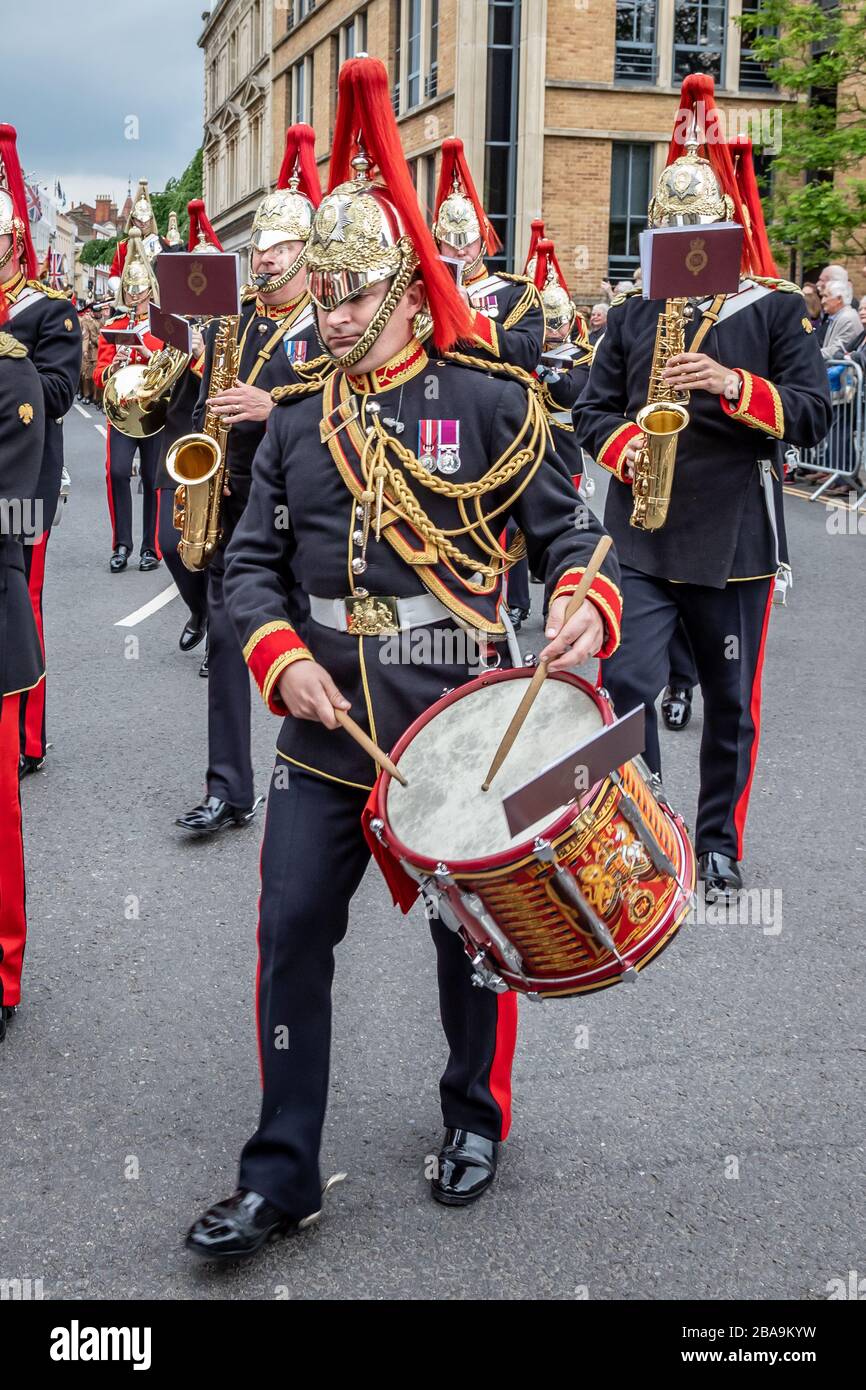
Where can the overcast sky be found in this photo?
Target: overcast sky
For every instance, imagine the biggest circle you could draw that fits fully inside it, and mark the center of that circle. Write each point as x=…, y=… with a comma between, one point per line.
x=74, y=72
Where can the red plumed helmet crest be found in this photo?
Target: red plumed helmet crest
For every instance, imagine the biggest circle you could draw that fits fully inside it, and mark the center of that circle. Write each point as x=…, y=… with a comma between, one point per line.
x=298, y=170
x=536, y=233
x=13, y=208
x=200, y=229
x=744, y=172
x=370, y=215
x=459, y=216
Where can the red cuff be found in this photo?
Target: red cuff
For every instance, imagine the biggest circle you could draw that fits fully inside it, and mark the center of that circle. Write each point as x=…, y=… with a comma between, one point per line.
x=607, y=599
x=484, y=331
x=612, y=453
x=759, y=405
x=268, y=652
x=198, y=366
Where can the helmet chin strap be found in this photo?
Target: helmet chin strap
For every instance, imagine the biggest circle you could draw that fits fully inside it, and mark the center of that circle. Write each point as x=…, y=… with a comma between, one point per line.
x=7, y=255
x=272, y=286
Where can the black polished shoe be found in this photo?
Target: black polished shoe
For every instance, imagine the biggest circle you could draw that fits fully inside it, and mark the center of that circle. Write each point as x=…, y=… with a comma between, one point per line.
x=212, y=815
x=518, y=617
x=148, y=561
x=467, y=1167
x=720, y=875
x=203, y=669
x=119, y=559
x=239, y=1226
x=677, y=706
x=7, y=1013
x=28, y=764
x=195, y=629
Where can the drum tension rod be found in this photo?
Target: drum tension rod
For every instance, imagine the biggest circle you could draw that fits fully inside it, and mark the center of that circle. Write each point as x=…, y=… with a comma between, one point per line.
x=544, y=851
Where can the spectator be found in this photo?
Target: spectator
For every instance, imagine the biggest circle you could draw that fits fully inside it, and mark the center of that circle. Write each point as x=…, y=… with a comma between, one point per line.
x=844, y=329
x=813, y=302
x=597, y=322
x=830, y=272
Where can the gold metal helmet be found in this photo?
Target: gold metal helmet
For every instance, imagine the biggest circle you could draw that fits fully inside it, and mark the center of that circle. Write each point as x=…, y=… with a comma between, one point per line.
x=141, y=214
x=559, y=308
x=137, y=275
x=284, y=215
x=173, y=236
x=10, y=225
x=688, y=193
x=357, y=240
x=457, y=221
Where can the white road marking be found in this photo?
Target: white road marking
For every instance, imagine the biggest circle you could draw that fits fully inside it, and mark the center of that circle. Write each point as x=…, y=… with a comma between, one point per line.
x=81, y=410
x=149, y=608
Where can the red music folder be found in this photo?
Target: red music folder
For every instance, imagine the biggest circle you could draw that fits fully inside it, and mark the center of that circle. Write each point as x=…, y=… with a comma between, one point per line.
x=690, y=262
x=191, y=283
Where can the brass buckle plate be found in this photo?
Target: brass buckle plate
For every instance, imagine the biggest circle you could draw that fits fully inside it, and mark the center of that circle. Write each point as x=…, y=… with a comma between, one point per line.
x=371, y=615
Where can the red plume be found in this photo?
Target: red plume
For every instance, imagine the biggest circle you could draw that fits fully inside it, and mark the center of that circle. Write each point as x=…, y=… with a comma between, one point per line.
x=547, y=252
x=536, y=234
x=454, y=162
x=697, y=98
x=301, y=150
x=15, y=185
x=119, y=260
x=744, y=171
x=364, y=112
x=199, y=221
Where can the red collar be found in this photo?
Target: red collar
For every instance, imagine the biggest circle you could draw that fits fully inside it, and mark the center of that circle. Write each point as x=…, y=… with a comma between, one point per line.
x=278, y=311
x=408, y=362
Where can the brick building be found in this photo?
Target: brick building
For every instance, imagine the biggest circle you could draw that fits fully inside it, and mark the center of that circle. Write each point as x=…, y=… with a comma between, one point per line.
x=565, y=106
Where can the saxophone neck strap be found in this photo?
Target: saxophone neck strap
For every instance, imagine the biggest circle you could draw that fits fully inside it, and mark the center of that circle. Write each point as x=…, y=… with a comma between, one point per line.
x=709, y=320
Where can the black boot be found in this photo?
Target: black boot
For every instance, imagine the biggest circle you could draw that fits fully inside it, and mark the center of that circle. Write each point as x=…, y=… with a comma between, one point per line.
x=213, y=814
x=241, y=1225
x=720, y=875
x=119, y=559
x=677, y=706
x=467, y=1167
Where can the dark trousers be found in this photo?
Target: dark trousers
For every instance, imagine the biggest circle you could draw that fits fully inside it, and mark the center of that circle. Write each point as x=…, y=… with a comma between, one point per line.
x=118, y=472
x=682, y=671
x=313, y=859
x=230, y=769
x=192, y=584
x=727, y=629
x=32, y=702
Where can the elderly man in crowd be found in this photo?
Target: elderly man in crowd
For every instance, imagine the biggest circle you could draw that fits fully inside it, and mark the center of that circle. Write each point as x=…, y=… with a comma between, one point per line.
x=844, y=329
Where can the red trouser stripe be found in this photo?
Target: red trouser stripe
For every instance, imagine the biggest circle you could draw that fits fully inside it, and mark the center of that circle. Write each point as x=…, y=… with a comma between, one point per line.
x=157, y=493
x=13, y=923
x=742, y=806
x=503, y=1056
x=34, y=705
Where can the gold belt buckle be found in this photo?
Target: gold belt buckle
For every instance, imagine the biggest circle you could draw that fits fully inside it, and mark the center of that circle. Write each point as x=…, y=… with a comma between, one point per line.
x=371, y=615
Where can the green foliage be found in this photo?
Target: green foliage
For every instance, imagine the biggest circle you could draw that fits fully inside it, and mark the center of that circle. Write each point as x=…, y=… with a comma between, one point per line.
x=177, y=194
x=817, y=54
x=98, y=252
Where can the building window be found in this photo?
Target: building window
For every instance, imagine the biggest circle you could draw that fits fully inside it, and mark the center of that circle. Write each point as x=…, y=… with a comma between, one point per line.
x=636, y=40
x=699, y=37
x=431, y=81
x=753, y=75
x=256, y=35
x=233, y=60
x=231, y=171
x=631, y=167
x=500, y=171
x=427, y=189
x=301, y=91
x=413, y=54
x=255, y=171
x=397, y=23
x=353, y=36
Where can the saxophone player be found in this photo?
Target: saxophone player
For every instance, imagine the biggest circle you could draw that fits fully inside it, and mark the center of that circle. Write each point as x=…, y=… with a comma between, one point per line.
x=276, y=335
x=758, y=378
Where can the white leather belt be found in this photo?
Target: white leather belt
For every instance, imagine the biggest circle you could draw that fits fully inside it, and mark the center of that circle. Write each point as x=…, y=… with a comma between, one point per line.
x=410, y=612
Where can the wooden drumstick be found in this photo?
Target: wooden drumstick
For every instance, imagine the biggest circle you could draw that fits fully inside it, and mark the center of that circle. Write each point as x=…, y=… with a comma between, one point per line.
x=540, y=676
x=357, y=733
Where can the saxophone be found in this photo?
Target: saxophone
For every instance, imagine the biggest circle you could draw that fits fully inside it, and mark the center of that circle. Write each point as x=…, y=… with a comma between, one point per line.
x=661, y=420
x=197, y=462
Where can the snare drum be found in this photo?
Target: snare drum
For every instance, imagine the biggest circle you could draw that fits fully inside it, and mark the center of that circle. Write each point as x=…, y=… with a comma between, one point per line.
x=578, y=901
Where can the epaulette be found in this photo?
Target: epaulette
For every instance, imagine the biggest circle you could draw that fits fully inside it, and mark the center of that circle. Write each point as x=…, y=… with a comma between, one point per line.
x=10, y=347
x=773, y=282
x=46, y=290
x=518, y=279
x=492, y=367
x=285, y=395
x=626, y=294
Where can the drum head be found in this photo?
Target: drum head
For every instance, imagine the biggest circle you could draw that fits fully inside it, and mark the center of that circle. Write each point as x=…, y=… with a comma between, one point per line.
x=443, y=814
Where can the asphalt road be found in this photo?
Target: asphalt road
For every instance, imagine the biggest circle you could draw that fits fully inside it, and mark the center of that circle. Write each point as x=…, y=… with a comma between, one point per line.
x=708, y=1142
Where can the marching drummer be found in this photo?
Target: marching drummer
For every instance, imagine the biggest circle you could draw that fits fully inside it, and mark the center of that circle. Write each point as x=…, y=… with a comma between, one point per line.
x=340, y=462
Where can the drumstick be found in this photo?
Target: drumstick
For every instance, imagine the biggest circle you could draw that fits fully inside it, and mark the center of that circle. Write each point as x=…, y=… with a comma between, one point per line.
x=540, y=675
x=357, y=733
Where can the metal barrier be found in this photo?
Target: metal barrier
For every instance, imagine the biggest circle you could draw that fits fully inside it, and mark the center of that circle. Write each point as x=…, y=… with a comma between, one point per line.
x=842, y=452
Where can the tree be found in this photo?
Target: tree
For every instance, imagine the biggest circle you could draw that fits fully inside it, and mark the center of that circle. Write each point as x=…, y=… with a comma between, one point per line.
x=177, y=194
x=816, y=53
x=98, y=252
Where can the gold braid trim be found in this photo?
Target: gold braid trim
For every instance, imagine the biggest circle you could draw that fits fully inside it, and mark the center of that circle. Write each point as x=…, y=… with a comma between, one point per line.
x=323, y=367
x=525, y=460
x=483, y=364
x=524, y=304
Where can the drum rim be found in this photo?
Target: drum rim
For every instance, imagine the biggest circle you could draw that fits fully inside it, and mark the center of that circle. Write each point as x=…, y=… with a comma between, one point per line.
x=522, y=847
